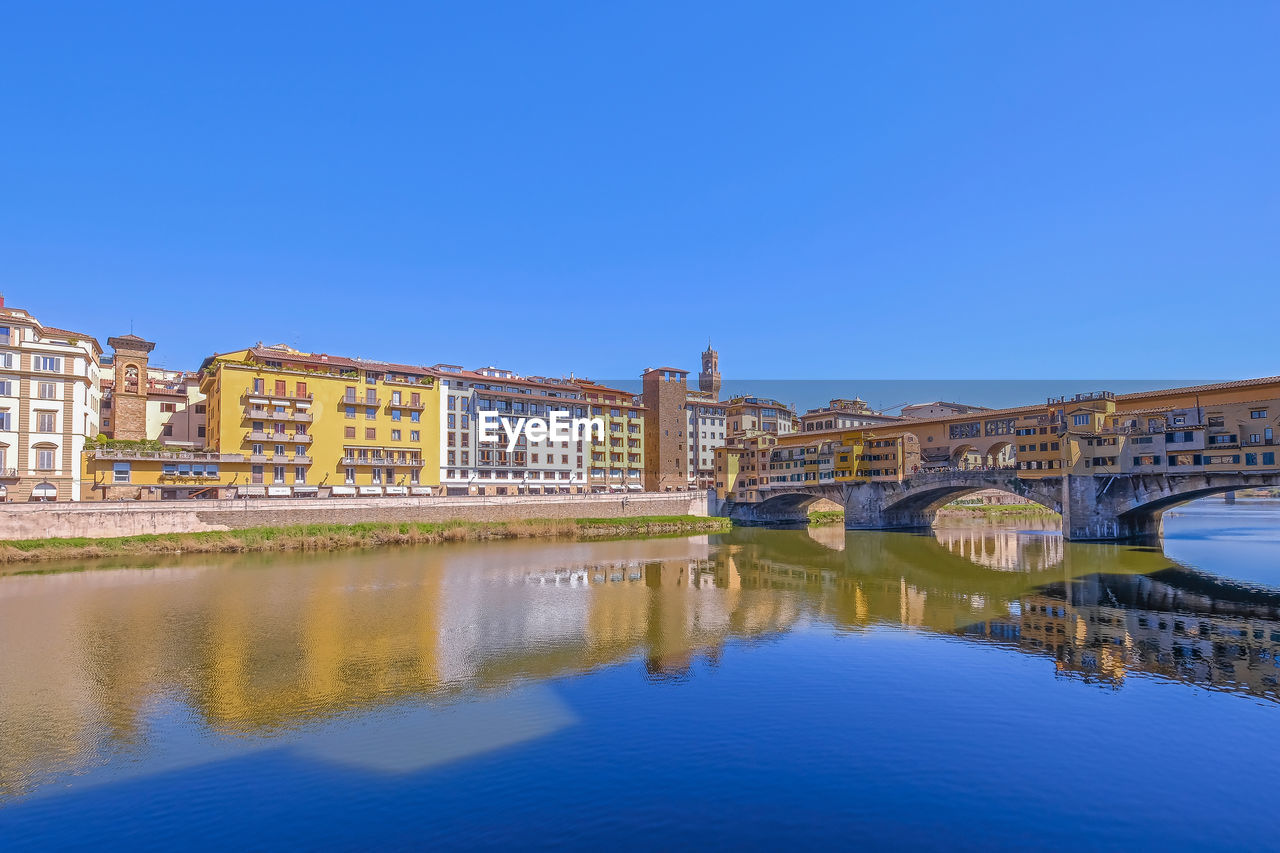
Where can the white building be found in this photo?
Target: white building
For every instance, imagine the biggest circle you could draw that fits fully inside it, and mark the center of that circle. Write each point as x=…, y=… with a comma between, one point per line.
x=50, y=400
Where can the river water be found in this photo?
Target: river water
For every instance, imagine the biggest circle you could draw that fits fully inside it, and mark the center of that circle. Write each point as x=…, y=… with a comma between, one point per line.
x=981, y=686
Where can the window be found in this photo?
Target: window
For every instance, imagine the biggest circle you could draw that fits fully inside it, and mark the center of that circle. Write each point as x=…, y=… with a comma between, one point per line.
x=200, y=408
x=46, y=390
x=46, y=364
x=300, y=475
x=168, y=407
x=1258, y=413
x=371, y=433
x=349, y=432
x=350, y=476
x=1080, y=420
x=277, y=474
x=45, y=422
x=6, y=388
x=370, y=413
x=395, y=435
x=415, y=435
x=4, y=421
x=395, y=414
x=44, y=460
x=200, y=432
x=120, y=472
x=167, y=430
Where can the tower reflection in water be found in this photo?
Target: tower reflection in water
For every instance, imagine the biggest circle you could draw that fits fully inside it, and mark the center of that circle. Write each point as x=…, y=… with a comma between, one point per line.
x=262, y=644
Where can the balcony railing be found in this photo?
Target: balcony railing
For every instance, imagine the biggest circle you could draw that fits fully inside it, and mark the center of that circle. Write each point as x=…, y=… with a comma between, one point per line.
x=181, y=456
x=287, y=395
x=278, y=437
x=258, y=413
x=406, y=404
x=8, y=473
x=381, y=461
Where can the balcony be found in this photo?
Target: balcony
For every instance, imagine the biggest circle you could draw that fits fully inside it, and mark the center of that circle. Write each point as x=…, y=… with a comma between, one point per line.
x=404, y=404
x=167, y=455
x=9, y=474
x=380, y=462
x=277, y=437
x=300, y=460
x=287, y=395
x=258, y=413
x=259, y=458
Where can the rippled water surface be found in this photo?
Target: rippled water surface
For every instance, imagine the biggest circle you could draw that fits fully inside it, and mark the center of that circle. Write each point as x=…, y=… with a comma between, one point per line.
x=977, y=687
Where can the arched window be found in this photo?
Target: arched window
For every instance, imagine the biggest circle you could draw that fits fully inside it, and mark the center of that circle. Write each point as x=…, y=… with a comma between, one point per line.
x=131, y=378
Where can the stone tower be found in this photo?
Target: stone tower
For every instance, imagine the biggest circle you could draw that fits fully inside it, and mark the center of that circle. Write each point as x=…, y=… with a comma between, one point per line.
x=709, y=378
x=666, y=390
x=129, y=395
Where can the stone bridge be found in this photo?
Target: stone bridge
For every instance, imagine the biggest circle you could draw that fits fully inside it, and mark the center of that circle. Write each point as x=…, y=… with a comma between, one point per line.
x=1102, y=507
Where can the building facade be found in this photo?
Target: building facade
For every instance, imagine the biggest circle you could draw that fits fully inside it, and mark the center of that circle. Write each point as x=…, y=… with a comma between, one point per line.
x=50, y=407
x=843, y=414
x=313, y=424
x=470, y=466
x=665, y=397
x=142, y=402
x=747, y=414
x=706, y=429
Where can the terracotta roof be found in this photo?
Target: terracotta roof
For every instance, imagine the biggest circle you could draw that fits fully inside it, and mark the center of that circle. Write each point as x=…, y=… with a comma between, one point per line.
x=70, y=334
x=1212, y=386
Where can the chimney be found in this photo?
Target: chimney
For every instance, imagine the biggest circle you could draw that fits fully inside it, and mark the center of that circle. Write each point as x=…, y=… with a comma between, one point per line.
x=1, y=300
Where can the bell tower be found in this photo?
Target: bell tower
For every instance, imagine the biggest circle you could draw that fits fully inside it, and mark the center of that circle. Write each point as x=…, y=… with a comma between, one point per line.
x=129, y=394
x=709, y=378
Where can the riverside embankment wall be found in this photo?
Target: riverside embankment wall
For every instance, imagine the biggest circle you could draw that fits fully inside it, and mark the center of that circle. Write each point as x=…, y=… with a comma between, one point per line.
x=105, y=520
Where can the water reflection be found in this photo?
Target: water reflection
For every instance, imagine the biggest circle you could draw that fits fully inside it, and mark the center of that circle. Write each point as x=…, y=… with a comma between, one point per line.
x=253, y=646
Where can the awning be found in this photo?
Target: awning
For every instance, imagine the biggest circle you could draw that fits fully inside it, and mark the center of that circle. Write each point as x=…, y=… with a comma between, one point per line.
x=614, y=487
x=278, y=491
x=45, y=490
x=253, y=491
x=635, y=487
x=343, y=490
x=306, y=490
x=420, y=490
x=397, y=490
x=371, y=490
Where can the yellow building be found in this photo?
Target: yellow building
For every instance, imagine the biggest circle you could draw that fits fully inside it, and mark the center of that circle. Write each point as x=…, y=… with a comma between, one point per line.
x=616, y=462
x=121, y=470
x=318, y=424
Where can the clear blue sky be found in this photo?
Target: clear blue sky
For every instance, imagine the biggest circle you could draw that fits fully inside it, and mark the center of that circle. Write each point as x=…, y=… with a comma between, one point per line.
x=882, y=190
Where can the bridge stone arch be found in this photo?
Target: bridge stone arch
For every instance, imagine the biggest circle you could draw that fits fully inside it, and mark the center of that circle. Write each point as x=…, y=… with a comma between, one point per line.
x=914, y=502
x=784, y=508
x=1133, y=506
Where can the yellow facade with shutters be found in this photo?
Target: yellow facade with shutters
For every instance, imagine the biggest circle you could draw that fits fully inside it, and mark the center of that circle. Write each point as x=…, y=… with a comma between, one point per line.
x=306, y=422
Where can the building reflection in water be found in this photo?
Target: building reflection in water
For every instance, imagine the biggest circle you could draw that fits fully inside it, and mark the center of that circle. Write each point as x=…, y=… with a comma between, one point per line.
x=259, y=644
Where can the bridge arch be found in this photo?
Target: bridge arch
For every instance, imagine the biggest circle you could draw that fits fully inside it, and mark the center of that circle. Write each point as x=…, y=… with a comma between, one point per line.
x=918, y=507
x=786, y=508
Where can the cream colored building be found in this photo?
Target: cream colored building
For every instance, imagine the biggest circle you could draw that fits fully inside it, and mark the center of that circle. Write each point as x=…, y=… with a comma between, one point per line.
x=50, y=400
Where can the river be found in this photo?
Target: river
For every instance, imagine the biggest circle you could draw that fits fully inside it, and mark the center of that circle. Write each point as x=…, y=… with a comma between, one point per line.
x=982, y=686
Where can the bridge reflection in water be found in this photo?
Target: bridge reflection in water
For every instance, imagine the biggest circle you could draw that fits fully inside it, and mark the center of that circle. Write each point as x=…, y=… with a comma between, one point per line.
x=256, y=645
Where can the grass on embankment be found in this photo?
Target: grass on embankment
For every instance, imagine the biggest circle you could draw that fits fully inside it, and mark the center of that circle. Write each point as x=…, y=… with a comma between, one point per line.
x=332, y=537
